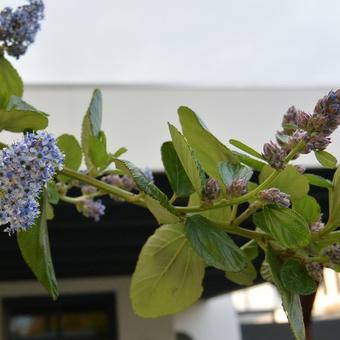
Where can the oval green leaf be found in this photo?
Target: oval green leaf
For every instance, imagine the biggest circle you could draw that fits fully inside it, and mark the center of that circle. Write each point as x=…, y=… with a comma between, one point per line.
x=295, y=278
x=168, y=276
x=214, y=245
x=326, y=159
x=209, y=150
x=334, y=201
x=286, y=226
x=318, y=181
x=309, y=208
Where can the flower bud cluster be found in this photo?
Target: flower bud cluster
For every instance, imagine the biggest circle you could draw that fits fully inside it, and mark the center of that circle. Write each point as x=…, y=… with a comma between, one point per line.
x=317, y=226
x=333, y=252
x=211, y=189
x=18, y=27
x=313, y=129
x=274, y=196
x=92, y=208
x=315, y=271
x=238, y=187
x=25, y=167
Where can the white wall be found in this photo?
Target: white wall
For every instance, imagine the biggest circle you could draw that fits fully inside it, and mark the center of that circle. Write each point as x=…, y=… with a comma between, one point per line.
x=213, y=319
x=136, y=117
x=130, y=327
x=197, y=42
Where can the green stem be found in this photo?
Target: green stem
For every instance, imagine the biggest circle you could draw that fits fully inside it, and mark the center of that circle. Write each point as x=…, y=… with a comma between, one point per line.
x=248, y=212
x=251, y=234
x=107, y=188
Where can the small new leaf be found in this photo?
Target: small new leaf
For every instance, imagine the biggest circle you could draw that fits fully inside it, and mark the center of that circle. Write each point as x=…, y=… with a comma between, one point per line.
x=178, y=179
x=326, y=159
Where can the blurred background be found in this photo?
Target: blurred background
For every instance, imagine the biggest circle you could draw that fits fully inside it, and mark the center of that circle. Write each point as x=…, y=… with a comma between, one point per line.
x=239, y=65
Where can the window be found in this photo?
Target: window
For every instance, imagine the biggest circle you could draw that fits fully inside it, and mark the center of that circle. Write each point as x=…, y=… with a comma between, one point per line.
x=76, y=317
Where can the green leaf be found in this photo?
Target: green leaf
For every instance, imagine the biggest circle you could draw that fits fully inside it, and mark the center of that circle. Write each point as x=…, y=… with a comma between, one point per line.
x=238, y=144
x=168, y=276
x=162, y=215
x=49, y=212
x=231, y=172
x=289, y=181
x=218, y=215
x=97, y=150
x=91, y=126
x=318, y=181
x=295, y=278
x=251, y=250
x=253, y=163
x=35, y=249
x=11, y=83
x=52, y=192
x=326, y=159
x=244, y=277
x=19, y=121
x=144, y=184
x=69, y=145
x=120, y=152
x=286, y=226
x=209, y=150
x=309, y=208
x=290, y=301
x=188, y=159
x=178, y=179
x=214, y=245
x=334, y=201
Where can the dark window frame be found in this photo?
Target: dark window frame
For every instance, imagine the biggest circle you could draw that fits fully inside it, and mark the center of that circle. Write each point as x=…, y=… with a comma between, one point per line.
x=66, y=303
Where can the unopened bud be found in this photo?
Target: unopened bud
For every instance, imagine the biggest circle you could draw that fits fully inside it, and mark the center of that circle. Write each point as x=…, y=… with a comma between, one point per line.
x=317, y=226
x=238, y=187
x=212, y=189
x=315, y=271
x=302, y=120
x=301, y=169
x=289, y=120
x=274, y=155
x=114, y=180
x=88, y=189
x=333, y=252
x=274, y=196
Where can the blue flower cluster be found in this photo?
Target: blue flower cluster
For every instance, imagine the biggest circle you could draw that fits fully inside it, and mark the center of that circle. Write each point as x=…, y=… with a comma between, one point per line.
x=25, y=167
x=19, y=27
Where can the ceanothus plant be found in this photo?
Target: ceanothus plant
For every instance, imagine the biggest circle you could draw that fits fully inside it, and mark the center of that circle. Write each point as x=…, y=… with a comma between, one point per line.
x=38, y=171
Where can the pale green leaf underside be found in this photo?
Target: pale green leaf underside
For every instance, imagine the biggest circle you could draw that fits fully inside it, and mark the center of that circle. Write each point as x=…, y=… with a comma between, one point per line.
x=168, y=277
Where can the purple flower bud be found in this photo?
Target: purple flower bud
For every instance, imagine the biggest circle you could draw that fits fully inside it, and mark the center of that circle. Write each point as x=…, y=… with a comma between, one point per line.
x=128, y=183
x=333, y=252
x=238, y=187
x=211, y=190
x=88, y=189
x=318, y=143
x=302, y=120
x=274, y=155
x=315, y=271
x=274, y=195
x=113, y=180
x=93, y=209
x=317, y=226
x=289, y=121
x=300, y=168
